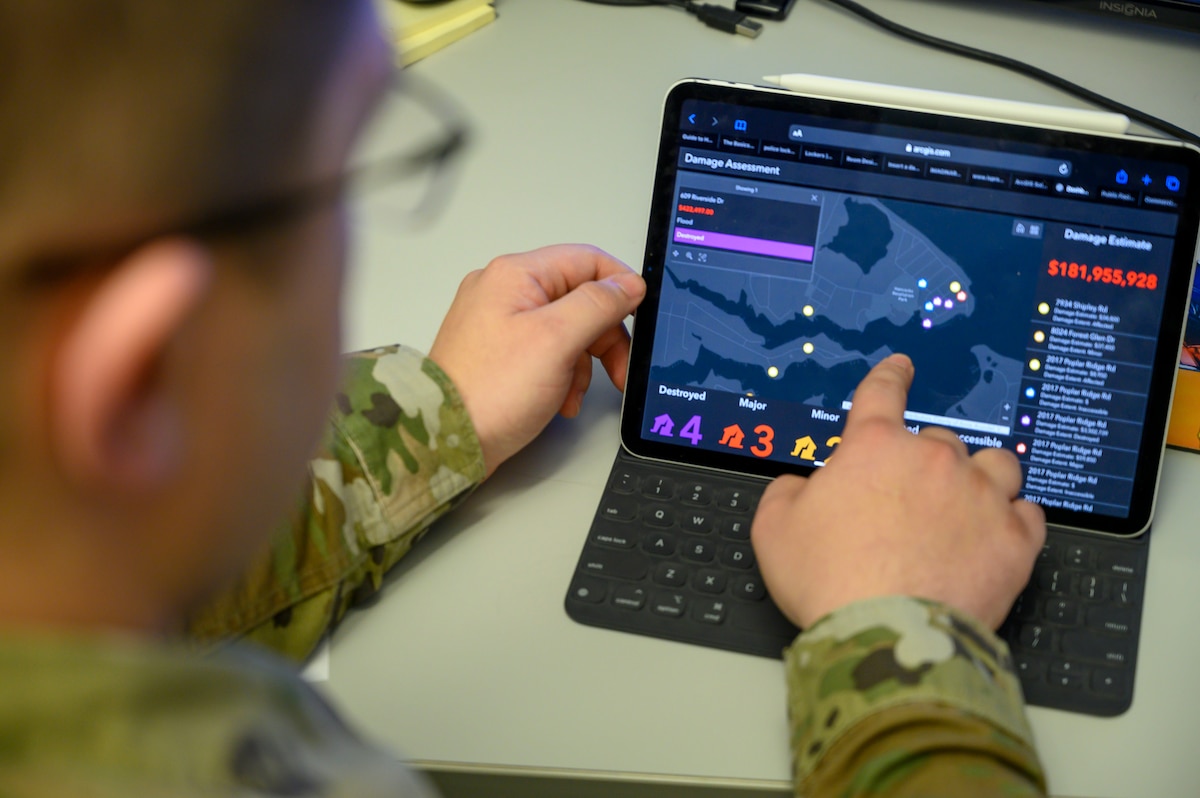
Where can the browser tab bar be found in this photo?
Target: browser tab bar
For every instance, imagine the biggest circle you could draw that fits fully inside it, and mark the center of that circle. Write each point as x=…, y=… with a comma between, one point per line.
x=930, y=151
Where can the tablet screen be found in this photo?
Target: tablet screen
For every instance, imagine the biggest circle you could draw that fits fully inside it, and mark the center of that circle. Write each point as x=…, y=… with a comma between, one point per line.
x=1038, y=279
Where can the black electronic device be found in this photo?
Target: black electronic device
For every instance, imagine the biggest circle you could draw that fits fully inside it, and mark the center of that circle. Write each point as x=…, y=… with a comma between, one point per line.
x=1038, y=277
x=1184, y=14
x=767, y=9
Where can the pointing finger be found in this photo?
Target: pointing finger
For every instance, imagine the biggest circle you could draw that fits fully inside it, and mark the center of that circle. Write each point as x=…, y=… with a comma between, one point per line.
x=882, y=394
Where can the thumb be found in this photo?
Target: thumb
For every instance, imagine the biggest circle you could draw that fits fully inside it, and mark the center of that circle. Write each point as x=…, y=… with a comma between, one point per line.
x=775, y=502
x=592, y=308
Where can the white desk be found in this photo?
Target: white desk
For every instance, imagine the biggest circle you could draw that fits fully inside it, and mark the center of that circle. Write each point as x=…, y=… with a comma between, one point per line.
x=468, y=663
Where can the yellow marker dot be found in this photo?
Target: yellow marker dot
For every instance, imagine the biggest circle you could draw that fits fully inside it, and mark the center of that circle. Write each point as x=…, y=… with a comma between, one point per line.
x=955, y=287
x=1039, y=336
x=1043, y=308
x=1035, y=364
x=807, y=310
x=808, y=348
x=772, y=372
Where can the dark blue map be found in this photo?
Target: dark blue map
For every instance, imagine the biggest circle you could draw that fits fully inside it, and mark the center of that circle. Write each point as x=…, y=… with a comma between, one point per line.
x=935, y=283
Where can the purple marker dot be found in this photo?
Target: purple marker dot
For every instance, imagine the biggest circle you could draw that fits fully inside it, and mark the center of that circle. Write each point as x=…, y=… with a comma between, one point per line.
x=937, y=300
x=927, y=324
x=1025, y=421
x=948, y=304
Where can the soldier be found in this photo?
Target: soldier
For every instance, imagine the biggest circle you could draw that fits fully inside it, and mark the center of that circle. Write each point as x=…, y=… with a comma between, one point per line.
x=172, y=241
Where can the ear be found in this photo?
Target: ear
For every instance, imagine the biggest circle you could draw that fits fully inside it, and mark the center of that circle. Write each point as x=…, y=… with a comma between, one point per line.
x=114, y=423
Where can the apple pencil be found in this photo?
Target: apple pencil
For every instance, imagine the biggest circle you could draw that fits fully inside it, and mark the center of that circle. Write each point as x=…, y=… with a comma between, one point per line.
x=947, y=102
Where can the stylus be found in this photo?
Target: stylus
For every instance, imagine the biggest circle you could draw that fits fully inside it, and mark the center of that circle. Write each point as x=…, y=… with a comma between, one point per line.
x=947, y=102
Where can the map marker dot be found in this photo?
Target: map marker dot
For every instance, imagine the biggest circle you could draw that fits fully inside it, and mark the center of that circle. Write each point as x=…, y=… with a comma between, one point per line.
x=808, y=348
x=772, y=372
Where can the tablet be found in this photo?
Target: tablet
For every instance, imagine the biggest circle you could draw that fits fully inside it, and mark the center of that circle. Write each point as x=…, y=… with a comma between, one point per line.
x=1038, y=277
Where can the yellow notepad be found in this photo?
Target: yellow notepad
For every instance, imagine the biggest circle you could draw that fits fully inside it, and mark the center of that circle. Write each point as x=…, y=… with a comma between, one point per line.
x=421, y=28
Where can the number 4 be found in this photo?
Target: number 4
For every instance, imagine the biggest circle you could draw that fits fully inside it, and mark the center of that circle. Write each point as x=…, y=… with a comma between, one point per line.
x=691, y=430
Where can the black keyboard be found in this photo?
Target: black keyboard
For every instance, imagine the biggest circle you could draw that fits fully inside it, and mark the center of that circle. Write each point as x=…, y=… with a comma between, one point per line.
x=668, y=555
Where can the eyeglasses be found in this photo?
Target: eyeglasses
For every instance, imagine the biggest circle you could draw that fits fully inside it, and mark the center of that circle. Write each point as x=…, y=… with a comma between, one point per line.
x=404, y=157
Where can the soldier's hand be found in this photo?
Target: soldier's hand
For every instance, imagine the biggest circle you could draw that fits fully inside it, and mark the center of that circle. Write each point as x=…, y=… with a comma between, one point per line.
x=897, y=513
x=519, y=339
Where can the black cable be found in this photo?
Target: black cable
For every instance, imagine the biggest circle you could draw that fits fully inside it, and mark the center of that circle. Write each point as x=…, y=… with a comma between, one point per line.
x=1019, y=67
x=712, y=15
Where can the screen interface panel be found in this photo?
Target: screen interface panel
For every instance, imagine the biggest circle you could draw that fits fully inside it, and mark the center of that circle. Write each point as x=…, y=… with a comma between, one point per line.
x=1027, y=282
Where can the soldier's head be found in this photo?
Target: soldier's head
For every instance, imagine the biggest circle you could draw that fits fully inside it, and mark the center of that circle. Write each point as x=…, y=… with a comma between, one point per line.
x=169, y=333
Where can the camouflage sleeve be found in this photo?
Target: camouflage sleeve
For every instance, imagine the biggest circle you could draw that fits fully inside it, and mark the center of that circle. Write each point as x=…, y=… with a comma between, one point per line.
x=903, y=697
x=399, y=453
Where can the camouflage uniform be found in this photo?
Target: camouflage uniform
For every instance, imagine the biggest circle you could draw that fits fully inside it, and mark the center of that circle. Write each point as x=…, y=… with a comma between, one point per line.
x=400, y=453
x=118, y=718
x=890, y=697
x=898, y=696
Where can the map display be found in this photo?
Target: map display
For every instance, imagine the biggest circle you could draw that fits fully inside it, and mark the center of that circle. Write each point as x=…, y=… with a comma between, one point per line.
x=877, y=283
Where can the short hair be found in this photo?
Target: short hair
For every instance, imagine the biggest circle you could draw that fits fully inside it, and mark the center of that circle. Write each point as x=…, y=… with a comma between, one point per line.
x=126, y=114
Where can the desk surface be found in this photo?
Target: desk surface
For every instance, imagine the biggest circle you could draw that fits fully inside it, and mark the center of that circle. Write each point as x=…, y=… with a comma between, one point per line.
x=469, y=661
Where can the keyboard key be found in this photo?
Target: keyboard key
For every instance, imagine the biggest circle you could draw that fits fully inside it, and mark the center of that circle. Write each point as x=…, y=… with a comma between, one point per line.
x=659, y=516
x=618, y=508
x=1119, y=563
x=735, y=528
x=629, y=597
x=709, y=611
x=587, y=589
x=699, y=550
x=657, y=487
x=736, y=555
x=1114, y=620
x=1035, y=637
x=1056, y=581
x=618, y=564
x=1126, y=592
x=697, y=494
x=1110, y=682
x=1066, y=681
x=671, y=605
x=697, y=523
x=1029, y=668
x=710, y=580
x=1025, y=608
x=749, y=587
x=670, y=574
x=734, y=500
x=1062, y=611
x=660, y=543
x=1096, y=648
x=1078, y=556
x=1092, y=587
x=1049, y=553
x=623, y=481
x=1066, y=667
x=615, y=540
